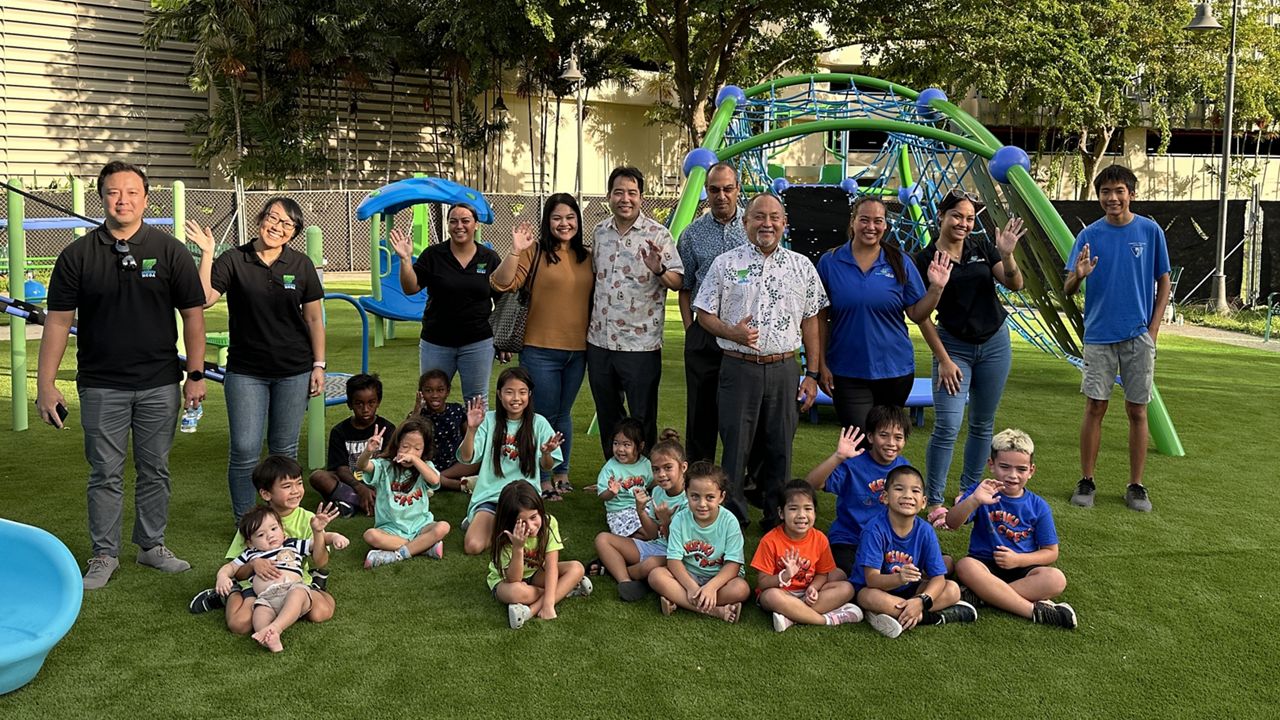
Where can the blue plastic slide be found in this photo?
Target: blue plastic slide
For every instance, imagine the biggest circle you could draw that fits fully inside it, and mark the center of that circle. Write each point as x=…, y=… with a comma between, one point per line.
x=40, y=593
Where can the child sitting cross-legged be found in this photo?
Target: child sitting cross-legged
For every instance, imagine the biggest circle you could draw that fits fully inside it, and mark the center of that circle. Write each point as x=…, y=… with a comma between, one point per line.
x=625, y=473
x=900, y=574
x=337, y=482
x=794, y=560
x=1014, y=540
x=704, y=552
x=280, y=602
x=403, y=480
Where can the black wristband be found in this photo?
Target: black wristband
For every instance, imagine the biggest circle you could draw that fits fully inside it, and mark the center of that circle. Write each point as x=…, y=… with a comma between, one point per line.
x=926, y=601
x=195, y=375
x=811, y=374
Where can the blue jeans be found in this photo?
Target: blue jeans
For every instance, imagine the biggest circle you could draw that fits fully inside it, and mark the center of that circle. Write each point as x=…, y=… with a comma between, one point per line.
x=257, y=406
x=474, y=363
x=557, y=377
x=984, y=369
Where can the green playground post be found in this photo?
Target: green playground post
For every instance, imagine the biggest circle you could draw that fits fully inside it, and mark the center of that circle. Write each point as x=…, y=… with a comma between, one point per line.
x=698, y=176
x=315, y=406
x=375, y=272
x=77, y=203
x=917, y=215
x=17, y=291
x=421, y=218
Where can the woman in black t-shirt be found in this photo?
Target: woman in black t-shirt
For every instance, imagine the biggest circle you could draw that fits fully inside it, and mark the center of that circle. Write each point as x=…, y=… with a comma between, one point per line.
x=970, y=343
x=276, y=358
x=456, y=336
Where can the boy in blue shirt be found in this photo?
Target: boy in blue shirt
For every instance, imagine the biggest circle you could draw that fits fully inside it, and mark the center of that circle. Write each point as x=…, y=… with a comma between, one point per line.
x=856, y=477
x=1127, y=263
x=1013, y=540
x=901, y=574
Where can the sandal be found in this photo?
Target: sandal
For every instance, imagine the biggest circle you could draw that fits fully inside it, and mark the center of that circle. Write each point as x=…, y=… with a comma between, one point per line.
x=550, y=494
x=564, y=486
x=596, y=568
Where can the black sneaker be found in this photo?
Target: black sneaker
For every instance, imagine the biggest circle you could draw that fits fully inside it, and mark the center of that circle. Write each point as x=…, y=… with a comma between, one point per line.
x=206, y=600
x=1136, y=498
x=1057, y=614
x=1085, y=490
x=970, y=597
x=319, y=579
x=961, y=612
x=345, y=509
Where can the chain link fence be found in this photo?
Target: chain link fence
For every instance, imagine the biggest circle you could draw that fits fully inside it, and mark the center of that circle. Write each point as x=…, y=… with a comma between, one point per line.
x=346, y=240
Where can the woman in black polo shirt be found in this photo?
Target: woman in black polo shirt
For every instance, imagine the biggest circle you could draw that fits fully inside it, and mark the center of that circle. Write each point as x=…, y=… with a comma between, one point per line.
x=276, y=358
x=456, y=336
x=970, y=343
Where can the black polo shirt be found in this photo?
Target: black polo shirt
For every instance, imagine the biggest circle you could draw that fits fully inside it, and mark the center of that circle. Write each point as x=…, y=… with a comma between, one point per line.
x=127, y=332
x=970, y=308
x=459, y=299
x=269, y=337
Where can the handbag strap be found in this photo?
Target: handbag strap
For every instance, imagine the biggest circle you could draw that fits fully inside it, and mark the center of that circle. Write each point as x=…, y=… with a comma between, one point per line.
x=527, y=286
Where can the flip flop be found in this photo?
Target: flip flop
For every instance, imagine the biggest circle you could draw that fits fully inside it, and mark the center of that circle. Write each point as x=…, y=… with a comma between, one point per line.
x=551, y=495
x=596, y=568
x=668, y=607
x=564, y=486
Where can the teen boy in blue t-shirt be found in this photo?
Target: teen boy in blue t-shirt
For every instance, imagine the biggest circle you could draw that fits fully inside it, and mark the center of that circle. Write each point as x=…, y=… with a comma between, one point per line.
x=1126, y=262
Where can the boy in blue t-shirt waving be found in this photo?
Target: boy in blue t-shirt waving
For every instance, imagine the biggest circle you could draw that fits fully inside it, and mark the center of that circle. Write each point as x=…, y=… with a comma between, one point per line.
x=1127, y=263
x=1014, y=541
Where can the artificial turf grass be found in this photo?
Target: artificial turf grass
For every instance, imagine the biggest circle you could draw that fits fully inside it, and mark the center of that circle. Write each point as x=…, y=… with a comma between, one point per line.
x=1174, y=606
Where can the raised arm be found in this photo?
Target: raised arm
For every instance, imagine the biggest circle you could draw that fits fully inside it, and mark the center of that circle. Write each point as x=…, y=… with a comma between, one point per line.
x=402, y=245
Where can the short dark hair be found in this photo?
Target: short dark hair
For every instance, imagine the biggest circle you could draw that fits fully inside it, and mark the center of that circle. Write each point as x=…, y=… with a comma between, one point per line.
x=274, y=468
x=722, y=165
x=252, y=520
x=362, y=381
x=627, y=171
x=1115, y=174
x=290, y=207
x=119, y=166
x=887, y=416
x=799, y=487
x=899, y=471
x=437, y=374
x=474, y=215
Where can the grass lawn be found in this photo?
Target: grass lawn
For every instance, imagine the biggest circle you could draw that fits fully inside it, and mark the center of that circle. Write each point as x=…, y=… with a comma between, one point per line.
x=1173, y=605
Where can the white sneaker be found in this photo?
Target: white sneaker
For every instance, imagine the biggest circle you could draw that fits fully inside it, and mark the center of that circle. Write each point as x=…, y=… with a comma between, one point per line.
x=582, y=589
x=782, y=622
x=886, y=625
x=517, y=615
x=436, y=552
x=845, y=614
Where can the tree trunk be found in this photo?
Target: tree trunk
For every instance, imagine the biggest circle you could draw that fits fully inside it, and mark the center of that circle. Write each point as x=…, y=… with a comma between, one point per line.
x=1092, y=158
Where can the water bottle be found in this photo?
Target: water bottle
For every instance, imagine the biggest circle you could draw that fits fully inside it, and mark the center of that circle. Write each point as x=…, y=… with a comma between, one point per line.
x=191, y=418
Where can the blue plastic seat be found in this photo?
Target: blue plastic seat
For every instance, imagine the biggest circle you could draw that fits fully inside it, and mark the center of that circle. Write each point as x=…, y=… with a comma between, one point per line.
x=921, y=397
x=395, y=305
x=40, y=594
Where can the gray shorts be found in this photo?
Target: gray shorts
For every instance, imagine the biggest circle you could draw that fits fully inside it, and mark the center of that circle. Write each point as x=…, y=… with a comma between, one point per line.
x=1134, y=360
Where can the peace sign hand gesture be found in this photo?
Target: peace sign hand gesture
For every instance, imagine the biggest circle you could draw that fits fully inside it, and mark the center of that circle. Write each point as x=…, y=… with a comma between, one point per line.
x=550, y=446
x=375, y=441
x=1008, y=236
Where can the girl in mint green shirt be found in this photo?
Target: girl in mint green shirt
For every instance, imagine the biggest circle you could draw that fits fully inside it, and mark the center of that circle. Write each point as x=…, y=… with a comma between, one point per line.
x=511, y=443
x=403, y=480
x=704, y=552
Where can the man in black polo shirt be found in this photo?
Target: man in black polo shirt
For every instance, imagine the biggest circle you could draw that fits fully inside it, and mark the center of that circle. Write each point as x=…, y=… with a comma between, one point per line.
x=126, y=278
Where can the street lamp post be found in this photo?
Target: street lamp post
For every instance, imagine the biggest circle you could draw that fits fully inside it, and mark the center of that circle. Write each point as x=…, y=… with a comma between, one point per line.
x=575, y=77
x=1204, y=20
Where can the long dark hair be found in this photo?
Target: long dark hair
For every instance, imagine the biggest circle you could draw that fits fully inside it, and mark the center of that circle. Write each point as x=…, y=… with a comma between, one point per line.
x=549, y=242
x=515, y=499
x=526, y=450
x=892, y=253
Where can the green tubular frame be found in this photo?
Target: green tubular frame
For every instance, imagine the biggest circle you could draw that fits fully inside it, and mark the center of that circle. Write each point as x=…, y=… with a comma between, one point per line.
x=1026, y=197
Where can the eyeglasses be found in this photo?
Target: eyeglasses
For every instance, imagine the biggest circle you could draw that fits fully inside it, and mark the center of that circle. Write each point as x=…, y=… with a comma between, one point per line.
x=717, y=190
x=127, y=262
x=288, y=225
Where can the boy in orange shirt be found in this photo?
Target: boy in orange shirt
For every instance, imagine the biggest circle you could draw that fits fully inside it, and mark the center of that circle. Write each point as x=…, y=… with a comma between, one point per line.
x=798, y=580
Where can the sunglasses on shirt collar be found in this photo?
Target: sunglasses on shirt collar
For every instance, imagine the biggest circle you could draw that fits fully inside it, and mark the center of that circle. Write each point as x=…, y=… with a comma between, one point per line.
x=127, y=261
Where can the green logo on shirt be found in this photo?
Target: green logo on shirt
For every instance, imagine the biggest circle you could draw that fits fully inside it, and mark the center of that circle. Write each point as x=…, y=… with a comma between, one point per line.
x=148, y=268
x=481, y=266
x=743, y=275
x=288, y=282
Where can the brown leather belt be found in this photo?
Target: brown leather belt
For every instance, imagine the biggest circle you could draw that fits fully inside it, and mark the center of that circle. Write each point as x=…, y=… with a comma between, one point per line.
x=760, y=359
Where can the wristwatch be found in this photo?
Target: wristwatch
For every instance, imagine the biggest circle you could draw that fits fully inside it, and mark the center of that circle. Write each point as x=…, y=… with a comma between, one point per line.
x=811, y=374
x=926, y=600
x=319, y=364
x=195, y=375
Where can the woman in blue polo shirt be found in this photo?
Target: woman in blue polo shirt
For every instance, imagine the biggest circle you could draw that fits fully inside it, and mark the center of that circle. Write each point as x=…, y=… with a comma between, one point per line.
x=971, y=341
x=868, y=357
x=456, y=336
x=275, y=361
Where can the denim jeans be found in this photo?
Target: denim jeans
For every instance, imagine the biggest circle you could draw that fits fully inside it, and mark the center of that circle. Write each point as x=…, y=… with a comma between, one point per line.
x=984, y=369
x=257, y=406
x=108, y=416
x=557, y=377
x=473, y=363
